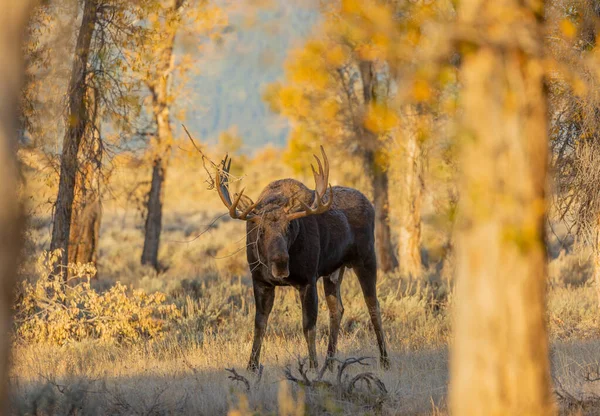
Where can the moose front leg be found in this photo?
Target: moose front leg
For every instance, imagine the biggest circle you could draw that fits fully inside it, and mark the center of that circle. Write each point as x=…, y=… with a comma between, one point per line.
x=310, y=309
x=263, y=297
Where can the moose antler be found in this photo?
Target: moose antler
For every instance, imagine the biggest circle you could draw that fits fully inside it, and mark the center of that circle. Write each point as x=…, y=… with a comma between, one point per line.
x=321, y=184
x=222, y=185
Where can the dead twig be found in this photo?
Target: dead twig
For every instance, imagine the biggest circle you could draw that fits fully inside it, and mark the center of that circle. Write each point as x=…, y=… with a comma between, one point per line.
x=591, y=373
x=210, y=180
x=347, y=363
x=569, y=400
x=236, y=377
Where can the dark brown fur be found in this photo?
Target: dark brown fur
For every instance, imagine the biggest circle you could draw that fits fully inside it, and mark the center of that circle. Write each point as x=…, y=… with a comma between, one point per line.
x=296, y=253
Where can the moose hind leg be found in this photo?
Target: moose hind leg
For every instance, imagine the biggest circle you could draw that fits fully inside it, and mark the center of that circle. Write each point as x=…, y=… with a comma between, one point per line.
x=310, y=309
x=332, y=285
x=264, y=297
x=367, y=276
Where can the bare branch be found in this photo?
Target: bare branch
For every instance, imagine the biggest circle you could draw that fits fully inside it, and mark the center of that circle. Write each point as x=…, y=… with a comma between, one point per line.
x=211, y=180
x=344, y=365
x=236, y=377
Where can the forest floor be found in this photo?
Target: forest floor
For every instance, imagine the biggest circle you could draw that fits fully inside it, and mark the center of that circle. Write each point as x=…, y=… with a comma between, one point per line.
x=184, y=372
x=206, y=276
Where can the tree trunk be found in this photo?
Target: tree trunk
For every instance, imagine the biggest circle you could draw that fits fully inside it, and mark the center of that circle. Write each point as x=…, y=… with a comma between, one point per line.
x=409, y=238
x=12, y=29
x=386, y=260
x=376, y=90
x=500, y=360
x=76, y=122
x=85, y=231
x=87, y=210
x=159, y=89
x=154, y=214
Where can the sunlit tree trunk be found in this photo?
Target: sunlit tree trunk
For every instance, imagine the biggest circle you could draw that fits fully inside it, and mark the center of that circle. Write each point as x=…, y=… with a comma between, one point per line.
x=500, y=360
x=85, y=230
x=412, y=180
x=153, y=226
x=159, y=89
x=76, y=122
x=87, y=209
x=13, y=21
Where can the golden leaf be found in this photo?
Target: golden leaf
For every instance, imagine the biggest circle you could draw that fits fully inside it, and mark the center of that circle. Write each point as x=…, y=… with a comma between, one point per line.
x=380, y=119
x=568, y=28
x=421, y=91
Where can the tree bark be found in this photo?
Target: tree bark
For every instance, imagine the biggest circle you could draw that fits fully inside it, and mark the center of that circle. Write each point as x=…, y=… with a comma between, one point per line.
x=376, y=89
x=383, y=234
x=76, y=123
x=500, y=360
x=85, y=231
x=159, y=89
x=13, y=22
x=409, y=238
x=154, y=214
x=87, y=210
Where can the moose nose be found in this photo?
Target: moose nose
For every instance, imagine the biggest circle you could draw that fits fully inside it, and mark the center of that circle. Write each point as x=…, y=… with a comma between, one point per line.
x=280, y=269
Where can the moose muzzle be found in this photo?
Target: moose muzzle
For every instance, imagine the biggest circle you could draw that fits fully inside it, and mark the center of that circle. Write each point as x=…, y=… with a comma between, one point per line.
x=280, y=269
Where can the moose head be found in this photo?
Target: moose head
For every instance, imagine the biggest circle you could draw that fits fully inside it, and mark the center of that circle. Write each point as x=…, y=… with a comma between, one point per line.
x=274, y=213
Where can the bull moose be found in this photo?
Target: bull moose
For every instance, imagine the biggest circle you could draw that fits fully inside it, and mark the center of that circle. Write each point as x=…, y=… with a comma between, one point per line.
x=294, y=237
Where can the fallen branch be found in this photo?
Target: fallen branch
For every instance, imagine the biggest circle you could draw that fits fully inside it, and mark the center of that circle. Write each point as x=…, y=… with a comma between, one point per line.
x=236, y=377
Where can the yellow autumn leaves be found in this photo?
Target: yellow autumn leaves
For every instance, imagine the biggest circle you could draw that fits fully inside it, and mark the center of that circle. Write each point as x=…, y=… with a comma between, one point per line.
x=323, y=91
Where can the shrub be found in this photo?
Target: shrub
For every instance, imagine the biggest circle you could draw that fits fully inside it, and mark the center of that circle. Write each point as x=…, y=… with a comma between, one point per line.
x=57, y=311
x=573, y=269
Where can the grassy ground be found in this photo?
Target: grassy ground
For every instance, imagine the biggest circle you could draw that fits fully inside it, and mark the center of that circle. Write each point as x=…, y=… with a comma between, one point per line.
x=205, y=276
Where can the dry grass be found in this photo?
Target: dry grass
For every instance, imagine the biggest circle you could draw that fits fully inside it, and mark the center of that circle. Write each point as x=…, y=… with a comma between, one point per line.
x=193, y=380
x=206, y=278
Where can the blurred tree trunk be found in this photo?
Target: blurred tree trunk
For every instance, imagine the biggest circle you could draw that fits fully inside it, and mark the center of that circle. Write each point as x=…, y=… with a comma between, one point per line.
x=500, y=360
x=87, y=213
x=376, y=90
x=383, y=235
x=13, y=22
x=76, y=122
x=409, y=239
x=159, y=89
